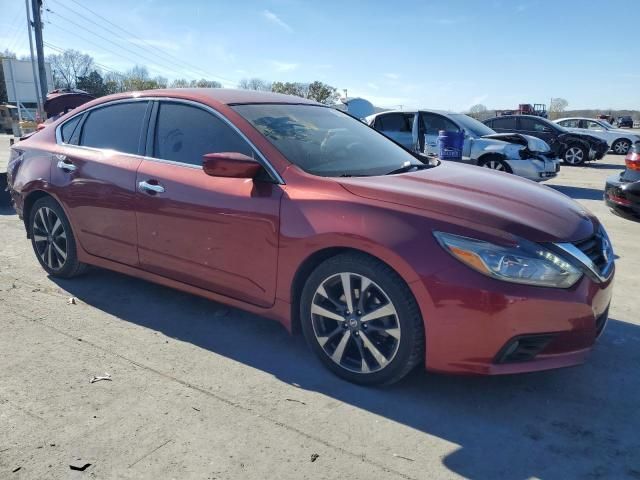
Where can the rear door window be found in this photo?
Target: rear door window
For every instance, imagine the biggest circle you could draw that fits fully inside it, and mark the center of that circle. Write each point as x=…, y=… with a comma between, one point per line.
x=68, y=130
x=115, y=127
x=507, y=123
x=394, y=122
x=184, y=133
x=531, y=125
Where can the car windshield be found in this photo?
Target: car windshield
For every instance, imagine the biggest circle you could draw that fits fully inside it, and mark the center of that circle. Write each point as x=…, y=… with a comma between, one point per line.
x=326, y=142
x=471, y=125
x=606, y=124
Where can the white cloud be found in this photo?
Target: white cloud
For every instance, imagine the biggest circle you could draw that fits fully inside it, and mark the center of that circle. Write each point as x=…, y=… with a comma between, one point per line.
x=373, y=86
x=392, y=76
x=477, y=100
x=165, y=45
x=284, y=66
x=273, y=18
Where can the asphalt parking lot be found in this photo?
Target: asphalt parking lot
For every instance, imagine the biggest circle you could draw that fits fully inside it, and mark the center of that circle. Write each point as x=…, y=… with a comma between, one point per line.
x=200, y=390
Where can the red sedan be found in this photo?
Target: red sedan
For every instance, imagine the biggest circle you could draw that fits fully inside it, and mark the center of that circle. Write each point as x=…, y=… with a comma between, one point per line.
x=298, y=212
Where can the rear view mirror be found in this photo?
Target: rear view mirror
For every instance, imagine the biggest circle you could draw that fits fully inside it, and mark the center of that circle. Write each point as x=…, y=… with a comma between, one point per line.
x=230, y=164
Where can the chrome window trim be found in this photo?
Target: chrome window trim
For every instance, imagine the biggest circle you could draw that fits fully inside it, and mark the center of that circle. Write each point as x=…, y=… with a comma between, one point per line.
x=602, y=275
x=265, y=163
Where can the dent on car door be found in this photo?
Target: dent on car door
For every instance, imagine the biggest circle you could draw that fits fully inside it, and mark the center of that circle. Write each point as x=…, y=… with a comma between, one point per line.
x=216, y=233
x=94, y=177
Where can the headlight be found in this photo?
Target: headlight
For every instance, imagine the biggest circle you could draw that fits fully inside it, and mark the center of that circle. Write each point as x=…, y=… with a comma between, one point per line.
x=526, y=263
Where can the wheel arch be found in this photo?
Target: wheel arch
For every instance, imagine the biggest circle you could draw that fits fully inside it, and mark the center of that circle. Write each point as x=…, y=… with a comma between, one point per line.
x=29, y=201
x=311, y=262
x=485, y=157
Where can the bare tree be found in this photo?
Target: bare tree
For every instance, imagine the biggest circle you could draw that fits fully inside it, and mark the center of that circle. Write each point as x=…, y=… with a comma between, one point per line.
x=70, y=65
x=254, y=84
x=557, y=106
x=478, y=108
x=179, y=83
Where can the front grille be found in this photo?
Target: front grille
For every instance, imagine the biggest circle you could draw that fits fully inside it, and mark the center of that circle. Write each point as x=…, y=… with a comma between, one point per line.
x=593, y=248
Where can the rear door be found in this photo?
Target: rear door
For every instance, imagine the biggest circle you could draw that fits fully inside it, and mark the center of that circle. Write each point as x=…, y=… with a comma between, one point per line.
x=98, y=154
x=216, y=233
x=504, y=124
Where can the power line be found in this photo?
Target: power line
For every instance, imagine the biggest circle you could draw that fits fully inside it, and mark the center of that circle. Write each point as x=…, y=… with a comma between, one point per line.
x=135, y=54
x=15, y=40
x=62, y=50
x=172, y=58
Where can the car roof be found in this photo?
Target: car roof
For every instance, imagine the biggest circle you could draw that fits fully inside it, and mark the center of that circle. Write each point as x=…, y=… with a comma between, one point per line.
x=226, y=96
x=579, y=118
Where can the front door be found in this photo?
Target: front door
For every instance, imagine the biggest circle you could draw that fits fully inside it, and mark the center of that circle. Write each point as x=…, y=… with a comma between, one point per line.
x=94, y=173
x=216, y=233
x=433, y=123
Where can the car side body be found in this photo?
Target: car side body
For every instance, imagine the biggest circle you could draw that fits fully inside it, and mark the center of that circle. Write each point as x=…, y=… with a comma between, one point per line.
x=622, y=190
x=619, y=140
x=146, y=209
x=522, y=155
x=573, y=148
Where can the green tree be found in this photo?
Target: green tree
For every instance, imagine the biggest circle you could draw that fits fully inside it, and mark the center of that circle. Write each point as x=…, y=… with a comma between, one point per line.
x=93, y=84
x=318, y=91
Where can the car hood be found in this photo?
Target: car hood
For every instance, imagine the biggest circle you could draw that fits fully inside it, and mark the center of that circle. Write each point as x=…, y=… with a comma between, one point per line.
x=534, y=144
x=481, y=198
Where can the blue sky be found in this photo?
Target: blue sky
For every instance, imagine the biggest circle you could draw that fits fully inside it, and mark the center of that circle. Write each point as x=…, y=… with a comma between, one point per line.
x=438, y=54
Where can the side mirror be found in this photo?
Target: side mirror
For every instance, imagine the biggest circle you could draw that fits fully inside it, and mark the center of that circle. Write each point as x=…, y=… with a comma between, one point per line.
x=230, y=164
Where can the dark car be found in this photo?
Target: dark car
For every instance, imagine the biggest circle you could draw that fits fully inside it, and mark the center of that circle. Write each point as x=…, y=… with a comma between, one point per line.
x=625, y=121
x=301, y=213
x=622, y=190
x=573, y=148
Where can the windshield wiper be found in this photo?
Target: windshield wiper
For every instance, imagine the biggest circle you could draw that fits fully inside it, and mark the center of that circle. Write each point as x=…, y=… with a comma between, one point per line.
x=408, y=168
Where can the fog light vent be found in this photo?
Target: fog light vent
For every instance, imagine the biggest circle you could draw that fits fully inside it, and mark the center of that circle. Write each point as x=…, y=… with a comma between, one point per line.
x=523, y=348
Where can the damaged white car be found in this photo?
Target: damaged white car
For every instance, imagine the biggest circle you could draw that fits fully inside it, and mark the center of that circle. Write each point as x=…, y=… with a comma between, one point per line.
x=418, y=130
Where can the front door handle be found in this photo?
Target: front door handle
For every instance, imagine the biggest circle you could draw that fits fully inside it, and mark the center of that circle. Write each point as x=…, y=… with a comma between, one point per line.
x=66, y=165
x=146, y=187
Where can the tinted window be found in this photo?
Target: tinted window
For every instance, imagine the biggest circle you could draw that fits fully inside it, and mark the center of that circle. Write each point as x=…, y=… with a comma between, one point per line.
x=325, y=141
x=185, y=133
x=395, y=122
x=531, y=125
x=115, y=127
x=434, y=123
x=68, y=128
x=505, y=123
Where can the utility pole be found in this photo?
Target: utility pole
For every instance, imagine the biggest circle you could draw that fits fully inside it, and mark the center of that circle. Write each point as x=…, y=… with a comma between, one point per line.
x=36, y=81
x=37, y=26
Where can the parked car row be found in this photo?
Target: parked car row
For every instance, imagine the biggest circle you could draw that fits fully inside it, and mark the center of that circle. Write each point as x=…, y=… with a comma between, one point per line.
x=619, y=140
x=522, y=155
x=574, y=148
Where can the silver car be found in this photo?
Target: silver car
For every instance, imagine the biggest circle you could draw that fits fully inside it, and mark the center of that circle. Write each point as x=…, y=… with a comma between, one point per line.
x=522, y=155
x=619, y=140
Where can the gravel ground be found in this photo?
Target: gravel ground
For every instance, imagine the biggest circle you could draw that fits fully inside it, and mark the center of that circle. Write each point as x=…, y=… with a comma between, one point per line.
x=200, y=390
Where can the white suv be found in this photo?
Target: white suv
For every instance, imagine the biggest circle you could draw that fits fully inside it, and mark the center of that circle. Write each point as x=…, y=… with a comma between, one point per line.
x=619, y=140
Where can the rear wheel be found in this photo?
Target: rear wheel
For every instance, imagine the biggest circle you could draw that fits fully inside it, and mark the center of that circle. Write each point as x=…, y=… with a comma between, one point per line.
x=575, y=155
x=361, y=319
x=621, y=146
x=52, y=239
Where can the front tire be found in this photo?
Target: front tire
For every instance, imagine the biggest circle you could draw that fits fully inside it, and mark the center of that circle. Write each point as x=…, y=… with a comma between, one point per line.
x=373, y=334
x=575, y=155
x=621, y=146
x=495, y=163
x=52, y=239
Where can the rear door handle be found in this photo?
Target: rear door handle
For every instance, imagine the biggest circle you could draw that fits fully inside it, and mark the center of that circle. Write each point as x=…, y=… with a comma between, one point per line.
x=65, y=164
x=146, y=187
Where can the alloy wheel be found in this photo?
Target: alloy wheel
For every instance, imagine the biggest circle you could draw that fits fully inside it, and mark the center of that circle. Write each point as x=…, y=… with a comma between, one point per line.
x=50, y=238
x=355, y=323
x=494, y=165
x=574, y=155
x=621, y=147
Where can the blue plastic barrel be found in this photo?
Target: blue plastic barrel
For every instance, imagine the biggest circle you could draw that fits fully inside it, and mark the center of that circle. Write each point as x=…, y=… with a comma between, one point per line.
x=450, y=145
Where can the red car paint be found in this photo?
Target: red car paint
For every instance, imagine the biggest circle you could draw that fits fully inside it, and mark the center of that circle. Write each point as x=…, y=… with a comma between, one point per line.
x=248, y=244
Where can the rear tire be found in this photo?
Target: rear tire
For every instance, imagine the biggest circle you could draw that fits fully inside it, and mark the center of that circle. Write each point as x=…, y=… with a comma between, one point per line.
x=376, y=336
x=621, y=146
x=575, y=155
x=52, y=239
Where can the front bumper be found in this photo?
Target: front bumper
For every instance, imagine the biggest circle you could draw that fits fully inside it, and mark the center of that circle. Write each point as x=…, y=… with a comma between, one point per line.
x=622, y=196
x=598, y=152
x=471, y=320
x=536, y=169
